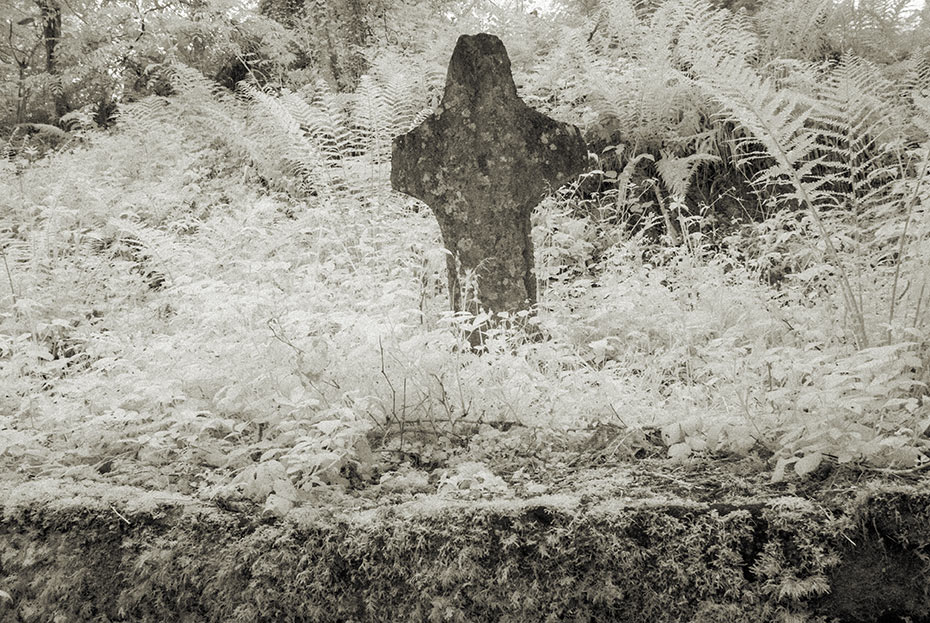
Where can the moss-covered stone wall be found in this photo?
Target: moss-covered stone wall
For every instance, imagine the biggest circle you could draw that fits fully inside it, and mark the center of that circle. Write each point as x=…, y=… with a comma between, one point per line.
x=85, y=553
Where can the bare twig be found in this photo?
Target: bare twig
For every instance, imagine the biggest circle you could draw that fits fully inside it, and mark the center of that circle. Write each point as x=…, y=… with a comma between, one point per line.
x=909, y=208
x=118, y=514
x=9, y=277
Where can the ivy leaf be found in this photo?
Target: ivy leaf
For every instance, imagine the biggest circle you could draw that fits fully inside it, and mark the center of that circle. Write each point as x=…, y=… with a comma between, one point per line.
x=314, y=362
x=285, y=489
x=328, y=427
x=778, y=474
x=679, y=451
x=276, y=506
x=808, y=463
x=672, y=434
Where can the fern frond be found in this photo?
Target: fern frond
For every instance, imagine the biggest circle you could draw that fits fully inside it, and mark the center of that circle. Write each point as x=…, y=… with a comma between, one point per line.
x=329, y=123
x=873, y=28
x=385, y=107
x=622, y=27
x=564, y=77
x=912, y=83
x=689, y=29
x=857, y=137
x=643, y=87
x=917, y=218
x=373, y=118
x=204, y=106
x=776, y=120
x=275, y=127
x=915, y=80
x=402, y=99
x=195, y=88
x=782, y=123
x=922, y=108
x=676, y=172
x=145, y=114
x=409, y=89
x=916, y=229
x=796, y=29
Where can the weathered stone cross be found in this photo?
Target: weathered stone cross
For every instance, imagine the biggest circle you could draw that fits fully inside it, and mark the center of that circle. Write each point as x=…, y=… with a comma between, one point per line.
x=482, y=162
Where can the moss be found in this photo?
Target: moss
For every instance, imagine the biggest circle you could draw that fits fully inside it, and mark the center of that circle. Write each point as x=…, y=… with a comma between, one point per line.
x=884, y=568
x=766, y=560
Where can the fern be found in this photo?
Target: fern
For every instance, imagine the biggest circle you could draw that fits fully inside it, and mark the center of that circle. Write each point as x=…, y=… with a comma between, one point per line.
x=207, y=97
x=634, y=71
x=384, y=109
x=145, y=115
x=858, y=140
x=796, y=29
x=873, y=28
x=676, y=172
x=916, y=79
x=916, y=228
x=293, y=144
x=287, y=152
x=841, y=153
x=372, y=116
x=329, y=123
x=911, y=86
x=781, y=124
x=565, y=77
x=197, y=101
x=690, y=28
x=321, y=136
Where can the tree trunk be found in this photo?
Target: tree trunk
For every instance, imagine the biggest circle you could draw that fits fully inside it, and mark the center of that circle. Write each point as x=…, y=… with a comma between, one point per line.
x=51, y=32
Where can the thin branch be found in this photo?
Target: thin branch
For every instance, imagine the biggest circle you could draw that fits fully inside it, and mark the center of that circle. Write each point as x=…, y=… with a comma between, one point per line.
x=909, y=209
x=9, y=277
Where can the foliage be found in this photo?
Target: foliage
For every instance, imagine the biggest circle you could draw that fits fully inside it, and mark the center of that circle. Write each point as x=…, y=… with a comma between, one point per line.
x=221, y=295
x=105, y=52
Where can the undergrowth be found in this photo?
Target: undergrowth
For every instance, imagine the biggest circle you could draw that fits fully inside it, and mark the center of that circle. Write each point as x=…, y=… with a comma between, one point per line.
x=223, y=295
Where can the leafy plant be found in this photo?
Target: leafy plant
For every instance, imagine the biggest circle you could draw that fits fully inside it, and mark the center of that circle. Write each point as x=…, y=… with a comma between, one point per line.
x=221, y=295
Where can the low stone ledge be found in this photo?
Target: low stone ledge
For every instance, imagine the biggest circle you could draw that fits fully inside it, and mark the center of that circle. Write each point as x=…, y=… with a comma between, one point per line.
x=94, y=552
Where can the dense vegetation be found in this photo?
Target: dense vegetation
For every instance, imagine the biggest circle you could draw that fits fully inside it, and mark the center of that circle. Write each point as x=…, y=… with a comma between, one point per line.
x=208, y=285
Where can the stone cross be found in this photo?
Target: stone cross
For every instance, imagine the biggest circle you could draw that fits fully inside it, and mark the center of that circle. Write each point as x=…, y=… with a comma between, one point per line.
x=482, y=162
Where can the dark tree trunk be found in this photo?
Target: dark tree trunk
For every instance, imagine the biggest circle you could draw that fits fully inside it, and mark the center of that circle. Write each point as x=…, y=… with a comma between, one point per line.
x=51, y=32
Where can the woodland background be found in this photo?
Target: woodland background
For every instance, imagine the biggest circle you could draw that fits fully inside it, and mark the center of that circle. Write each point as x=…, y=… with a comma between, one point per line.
x=209, y=287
